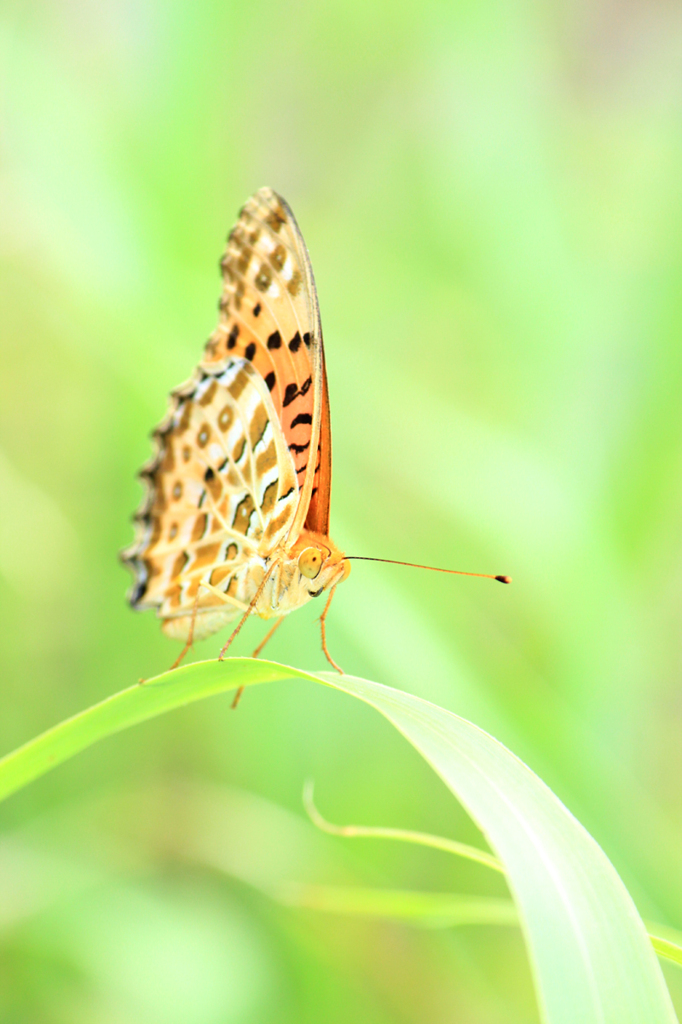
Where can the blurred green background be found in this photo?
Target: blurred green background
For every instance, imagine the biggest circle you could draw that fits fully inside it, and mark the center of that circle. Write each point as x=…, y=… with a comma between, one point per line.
x=492, y=197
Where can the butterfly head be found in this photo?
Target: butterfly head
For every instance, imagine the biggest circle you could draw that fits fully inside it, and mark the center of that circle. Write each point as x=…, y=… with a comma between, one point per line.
x=317, y=563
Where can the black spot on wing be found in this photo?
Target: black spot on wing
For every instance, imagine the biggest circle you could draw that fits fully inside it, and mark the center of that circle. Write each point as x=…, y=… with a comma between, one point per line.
x=293, y=392
x=270, y=380
x=295, y=342
x=232, y=336
x=275, y=340
x=250, y=351
x=137, y=593
x=303, y=417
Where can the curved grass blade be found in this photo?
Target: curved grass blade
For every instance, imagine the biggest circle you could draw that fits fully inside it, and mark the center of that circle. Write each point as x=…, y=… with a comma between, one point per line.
x=589, y=951
x=147, y=699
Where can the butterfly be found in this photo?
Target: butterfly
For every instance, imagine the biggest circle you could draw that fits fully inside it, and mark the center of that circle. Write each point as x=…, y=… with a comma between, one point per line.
x=236, y=515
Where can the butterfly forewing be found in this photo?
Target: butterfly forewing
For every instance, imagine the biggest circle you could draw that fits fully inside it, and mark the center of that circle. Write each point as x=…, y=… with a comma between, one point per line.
x=269, y=315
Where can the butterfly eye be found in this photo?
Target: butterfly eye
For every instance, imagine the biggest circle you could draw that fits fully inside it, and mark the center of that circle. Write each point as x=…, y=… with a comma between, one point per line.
x=310, y=562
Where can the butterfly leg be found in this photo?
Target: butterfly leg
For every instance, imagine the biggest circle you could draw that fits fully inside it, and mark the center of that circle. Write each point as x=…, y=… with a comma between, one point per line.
x=323, y=630
x=267, y=636
x=241, y=622
x=246, y=614
x=255, y=654
x=190, y=635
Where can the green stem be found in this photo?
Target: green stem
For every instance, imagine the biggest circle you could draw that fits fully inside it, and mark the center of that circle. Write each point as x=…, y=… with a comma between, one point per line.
x=445, y=909
x=404, y=835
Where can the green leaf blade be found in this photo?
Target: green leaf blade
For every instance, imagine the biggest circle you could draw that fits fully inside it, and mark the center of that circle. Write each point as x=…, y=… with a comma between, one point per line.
x=147, y=699
x=591, y=956
x=590, y=952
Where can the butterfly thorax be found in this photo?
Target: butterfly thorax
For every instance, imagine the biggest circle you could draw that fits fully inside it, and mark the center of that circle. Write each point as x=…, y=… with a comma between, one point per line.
x=299, y=572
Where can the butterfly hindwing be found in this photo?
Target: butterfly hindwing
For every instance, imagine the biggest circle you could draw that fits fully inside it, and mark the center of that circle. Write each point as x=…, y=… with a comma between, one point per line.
x=221, y=488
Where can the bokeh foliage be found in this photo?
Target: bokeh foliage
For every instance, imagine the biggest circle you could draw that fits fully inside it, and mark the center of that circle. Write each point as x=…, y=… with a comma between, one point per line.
x=491, y=197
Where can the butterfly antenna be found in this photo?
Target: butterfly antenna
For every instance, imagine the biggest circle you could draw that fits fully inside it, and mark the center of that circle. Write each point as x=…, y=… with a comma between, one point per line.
x=432, y=568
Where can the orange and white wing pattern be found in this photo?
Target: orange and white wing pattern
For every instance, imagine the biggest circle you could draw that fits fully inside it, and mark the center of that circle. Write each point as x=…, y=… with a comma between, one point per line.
x=269, y=315
x=234, y=476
